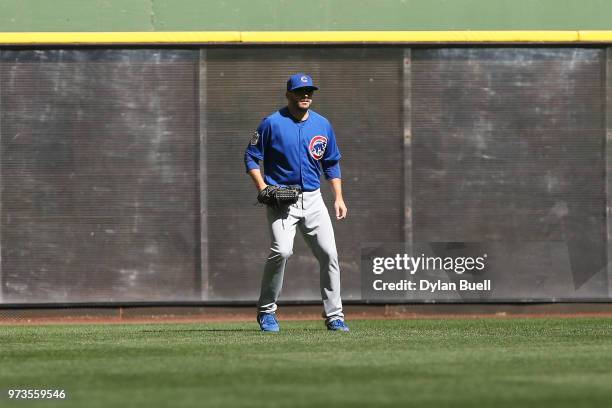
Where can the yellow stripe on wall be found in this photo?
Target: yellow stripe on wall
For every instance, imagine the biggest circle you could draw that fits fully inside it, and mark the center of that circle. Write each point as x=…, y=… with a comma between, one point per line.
x=302, y=37
x=161, y=37
x=410, y=36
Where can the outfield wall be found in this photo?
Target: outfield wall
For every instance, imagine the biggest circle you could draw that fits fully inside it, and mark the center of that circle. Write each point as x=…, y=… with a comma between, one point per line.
x=122, y=175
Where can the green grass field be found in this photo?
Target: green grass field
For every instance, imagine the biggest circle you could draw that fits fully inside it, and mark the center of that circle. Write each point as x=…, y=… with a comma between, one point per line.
x=432, y=363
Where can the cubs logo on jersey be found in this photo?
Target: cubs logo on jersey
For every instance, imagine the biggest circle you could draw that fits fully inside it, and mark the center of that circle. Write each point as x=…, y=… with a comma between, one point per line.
x=317, y=146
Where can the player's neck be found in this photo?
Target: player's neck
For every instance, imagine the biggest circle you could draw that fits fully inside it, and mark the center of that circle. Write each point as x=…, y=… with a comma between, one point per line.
x=298, y=114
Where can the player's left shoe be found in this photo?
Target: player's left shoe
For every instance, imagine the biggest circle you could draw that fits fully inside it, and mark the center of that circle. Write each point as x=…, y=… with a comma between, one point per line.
x=337, y=325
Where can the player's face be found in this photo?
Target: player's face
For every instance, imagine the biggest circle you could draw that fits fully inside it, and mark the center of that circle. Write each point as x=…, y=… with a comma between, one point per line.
x=300, y=98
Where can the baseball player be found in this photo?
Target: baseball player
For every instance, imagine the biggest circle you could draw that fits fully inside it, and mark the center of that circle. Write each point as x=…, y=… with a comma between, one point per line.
x=296, y=145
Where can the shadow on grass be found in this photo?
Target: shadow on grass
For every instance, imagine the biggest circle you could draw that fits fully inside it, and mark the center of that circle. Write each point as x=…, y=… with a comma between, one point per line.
x=199, y=330
x=227, y=330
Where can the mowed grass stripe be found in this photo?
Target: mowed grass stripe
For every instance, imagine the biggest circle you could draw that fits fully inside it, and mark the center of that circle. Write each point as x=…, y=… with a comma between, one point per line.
x=476, y=362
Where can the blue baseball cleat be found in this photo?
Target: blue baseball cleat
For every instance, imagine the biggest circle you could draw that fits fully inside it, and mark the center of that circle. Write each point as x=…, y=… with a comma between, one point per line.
x=337, y=325
x=268, y=322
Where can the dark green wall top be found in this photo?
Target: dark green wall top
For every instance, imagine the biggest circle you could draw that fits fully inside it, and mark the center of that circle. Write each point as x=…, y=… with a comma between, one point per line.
x=294, y=15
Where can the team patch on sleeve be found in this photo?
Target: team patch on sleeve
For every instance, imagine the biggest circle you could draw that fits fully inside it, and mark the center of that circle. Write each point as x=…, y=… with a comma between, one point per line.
x=255, y=138
x=317, y=146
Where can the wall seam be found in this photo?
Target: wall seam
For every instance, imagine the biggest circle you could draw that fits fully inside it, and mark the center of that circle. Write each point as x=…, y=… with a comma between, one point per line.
x=1, y=183
x=407, y=150
x=607, y=85
x=203, y=175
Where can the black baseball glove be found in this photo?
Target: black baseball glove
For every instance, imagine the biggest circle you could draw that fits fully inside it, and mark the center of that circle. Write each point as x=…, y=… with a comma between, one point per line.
x=276, y=196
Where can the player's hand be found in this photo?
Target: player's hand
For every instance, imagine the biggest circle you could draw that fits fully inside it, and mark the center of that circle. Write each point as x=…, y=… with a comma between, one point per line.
x=340, y=208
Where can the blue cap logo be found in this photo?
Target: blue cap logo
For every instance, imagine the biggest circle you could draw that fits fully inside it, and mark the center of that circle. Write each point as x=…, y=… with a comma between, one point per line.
x=300, y=80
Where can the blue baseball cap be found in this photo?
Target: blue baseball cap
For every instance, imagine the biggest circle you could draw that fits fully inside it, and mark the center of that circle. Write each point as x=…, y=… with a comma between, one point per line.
x=300, y=80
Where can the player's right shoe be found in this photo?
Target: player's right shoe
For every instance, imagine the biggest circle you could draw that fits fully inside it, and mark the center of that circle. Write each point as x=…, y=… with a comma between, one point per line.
x=268, y=322
x=337, y=325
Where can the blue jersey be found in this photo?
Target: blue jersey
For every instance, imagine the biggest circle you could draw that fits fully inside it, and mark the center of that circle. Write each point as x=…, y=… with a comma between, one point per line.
x=293, y=152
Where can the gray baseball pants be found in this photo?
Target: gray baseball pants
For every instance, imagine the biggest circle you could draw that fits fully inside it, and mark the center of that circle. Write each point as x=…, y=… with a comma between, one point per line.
x=310, y=215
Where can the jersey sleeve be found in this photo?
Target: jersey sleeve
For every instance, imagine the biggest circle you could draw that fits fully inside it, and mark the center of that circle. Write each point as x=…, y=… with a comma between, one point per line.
x=255, y=149
x=331, y=158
